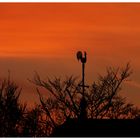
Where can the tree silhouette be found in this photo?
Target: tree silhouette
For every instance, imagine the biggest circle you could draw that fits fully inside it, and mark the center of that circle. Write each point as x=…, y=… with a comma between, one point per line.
x=101, y=99
x=66, y=109
x=11, y=111
x=33, y=125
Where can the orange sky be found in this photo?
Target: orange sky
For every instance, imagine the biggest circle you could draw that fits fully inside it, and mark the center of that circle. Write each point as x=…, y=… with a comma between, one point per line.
x=43, y=36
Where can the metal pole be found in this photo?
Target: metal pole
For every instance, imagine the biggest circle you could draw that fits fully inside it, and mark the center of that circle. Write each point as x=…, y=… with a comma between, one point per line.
x=83, y=77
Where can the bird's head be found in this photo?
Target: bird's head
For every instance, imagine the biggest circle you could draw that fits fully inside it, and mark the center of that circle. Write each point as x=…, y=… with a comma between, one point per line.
x=79, y=55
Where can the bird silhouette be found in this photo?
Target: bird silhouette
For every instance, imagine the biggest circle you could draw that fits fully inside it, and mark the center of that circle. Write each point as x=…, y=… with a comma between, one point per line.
x=80, y=56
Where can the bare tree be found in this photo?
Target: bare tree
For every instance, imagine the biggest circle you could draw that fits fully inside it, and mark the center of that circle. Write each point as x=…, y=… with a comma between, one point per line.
x=105, y=100
x=64, y=98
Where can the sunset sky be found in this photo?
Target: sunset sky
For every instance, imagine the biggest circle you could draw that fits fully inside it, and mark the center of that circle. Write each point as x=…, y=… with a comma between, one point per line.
x=45, y=37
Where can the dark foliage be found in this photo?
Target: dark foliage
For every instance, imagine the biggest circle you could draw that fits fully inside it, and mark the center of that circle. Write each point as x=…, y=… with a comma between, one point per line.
x=33, y=125
x=11, y=111
x=66, y=111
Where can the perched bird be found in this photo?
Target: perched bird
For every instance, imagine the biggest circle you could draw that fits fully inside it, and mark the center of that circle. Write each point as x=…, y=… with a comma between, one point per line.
x=80, y=57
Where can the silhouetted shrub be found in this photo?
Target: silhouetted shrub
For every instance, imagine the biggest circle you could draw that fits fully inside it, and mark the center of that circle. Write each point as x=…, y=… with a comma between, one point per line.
x=11, y=111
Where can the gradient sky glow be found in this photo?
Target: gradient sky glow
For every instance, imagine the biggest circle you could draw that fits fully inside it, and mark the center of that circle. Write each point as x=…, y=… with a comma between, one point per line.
x=44, y=37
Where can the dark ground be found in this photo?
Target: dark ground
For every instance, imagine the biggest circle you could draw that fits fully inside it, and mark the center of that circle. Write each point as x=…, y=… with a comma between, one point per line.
x=98, y=128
